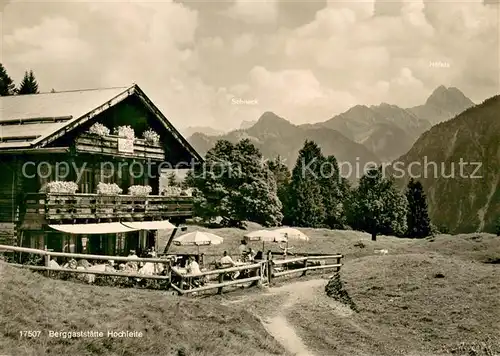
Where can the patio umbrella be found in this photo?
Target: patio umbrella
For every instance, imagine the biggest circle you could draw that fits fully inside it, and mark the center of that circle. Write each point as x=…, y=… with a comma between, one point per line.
x=292, y=234
x=265, y=236
x=197, y=238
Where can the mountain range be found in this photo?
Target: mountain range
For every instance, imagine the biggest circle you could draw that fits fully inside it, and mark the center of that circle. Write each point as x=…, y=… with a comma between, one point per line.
x=458, y=164
x=360, y=135
x=449, y=144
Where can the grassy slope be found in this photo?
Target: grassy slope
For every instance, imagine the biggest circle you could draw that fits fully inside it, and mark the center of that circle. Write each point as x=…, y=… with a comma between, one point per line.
x=32, y=302
x=404, y=309
x=339, y=241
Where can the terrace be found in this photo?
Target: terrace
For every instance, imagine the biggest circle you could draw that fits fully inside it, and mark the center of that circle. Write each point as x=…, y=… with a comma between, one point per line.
x=113, y=145
x=44, y=208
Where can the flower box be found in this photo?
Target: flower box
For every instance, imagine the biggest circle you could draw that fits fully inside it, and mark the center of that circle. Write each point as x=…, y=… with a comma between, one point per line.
x=140, y=190
x=151, y=137
x=61, y=187
x=99, y=130
x=108, y=189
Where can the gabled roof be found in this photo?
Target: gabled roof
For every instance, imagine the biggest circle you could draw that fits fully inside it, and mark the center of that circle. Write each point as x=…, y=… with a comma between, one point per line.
x=33, y=121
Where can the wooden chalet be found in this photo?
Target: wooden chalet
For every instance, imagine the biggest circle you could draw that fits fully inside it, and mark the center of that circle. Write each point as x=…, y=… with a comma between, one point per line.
x=39, y=131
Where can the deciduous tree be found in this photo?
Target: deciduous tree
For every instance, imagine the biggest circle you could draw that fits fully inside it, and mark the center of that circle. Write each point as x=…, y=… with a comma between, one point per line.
x=377, y=207
x=234, y=183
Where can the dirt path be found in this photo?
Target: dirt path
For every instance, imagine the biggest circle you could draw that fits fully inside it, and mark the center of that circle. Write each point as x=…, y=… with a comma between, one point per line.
x=294, y=293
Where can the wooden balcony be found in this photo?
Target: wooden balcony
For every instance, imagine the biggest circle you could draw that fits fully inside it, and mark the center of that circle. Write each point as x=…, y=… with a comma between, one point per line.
x=46, y=208
x=110, y=146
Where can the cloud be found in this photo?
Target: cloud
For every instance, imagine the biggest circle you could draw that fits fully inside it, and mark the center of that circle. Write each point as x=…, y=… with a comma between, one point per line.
x=192, y=61
x=295, y=94
x=244, y=43
x=258, y=12
x=54, y=40
x=388, y=58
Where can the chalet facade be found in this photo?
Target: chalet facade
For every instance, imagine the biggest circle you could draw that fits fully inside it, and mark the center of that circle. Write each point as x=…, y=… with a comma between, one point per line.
x=46, y=139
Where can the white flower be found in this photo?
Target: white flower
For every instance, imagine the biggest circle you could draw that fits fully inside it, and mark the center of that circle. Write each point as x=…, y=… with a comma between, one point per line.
x=62, y=187
x=151, y=137
x=99, y=129
x=140, y=190
x=125, y=131
x=108, y=189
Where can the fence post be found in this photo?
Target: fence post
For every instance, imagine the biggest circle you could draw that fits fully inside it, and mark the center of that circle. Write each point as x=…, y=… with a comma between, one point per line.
x=169, y=272
x=338, y=262
x=305, y=266
x=260, y=282
x=221, y=280
x=269, y=267
x=47, y=260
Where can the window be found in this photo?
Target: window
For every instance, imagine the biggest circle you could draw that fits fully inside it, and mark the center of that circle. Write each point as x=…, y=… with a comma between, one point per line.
x=55, y=241
x=120, y=243
x=86, y=182
x=69, y=243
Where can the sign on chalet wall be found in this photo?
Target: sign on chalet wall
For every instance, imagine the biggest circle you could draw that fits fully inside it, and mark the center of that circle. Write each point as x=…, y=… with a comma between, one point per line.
x=125, y=145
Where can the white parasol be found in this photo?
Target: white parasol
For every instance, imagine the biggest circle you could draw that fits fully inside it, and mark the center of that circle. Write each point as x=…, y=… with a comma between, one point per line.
x=197, y=238
x=265, y=236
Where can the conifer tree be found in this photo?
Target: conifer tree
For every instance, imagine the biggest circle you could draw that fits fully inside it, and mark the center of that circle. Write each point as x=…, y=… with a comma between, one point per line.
x=335, y=189
x=306, y=200
x=28, y=85
x=419, y=224
x=283, y=178
x=7, y=86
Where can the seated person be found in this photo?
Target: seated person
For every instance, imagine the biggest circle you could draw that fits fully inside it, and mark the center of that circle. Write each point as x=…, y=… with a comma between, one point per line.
x=251, y=255
x=286, y=250
x=110, y=266
x=131, y=264
x=259, y=256
x=193, y=269
x=243, y=249
x=152, y=253
x=53, y=263
x=226, y=262
x=71, y=264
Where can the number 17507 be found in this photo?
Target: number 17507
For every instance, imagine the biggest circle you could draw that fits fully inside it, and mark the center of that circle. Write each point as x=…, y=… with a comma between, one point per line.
x=25, y=333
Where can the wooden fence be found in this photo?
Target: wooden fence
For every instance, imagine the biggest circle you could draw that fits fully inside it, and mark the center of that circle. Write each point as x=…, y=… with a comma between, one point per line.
x=262, y=272
x=278, y=267
x=184, y=281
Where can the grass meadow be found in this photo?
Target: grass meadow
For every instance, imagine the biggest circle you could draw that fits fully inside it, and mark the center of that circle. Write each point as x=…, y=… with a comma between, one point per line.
x=434, y=296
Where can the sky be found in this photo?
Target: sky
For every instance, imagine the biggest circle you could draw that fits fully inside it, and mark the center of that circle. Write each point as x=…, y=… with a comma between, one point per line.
x=216, y=64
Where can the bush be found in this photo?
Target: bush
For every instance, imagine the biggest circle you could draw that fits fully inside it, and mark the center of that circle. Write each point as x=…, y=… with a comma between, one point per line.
x=99, y=129
x=108, y=189
x=151, y=137
x=434, y=230
x=140, y=190
x=443, y=229
x=125, y=131
x=497, y=227
x=61, y=187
